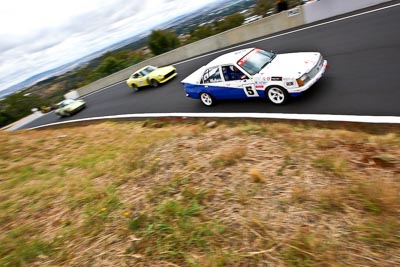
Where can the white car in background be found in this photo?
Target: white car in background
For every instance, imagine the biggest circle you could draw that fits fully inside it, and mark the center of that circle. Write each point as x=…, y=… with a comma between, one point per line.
x=68, y=107
x=253, y=72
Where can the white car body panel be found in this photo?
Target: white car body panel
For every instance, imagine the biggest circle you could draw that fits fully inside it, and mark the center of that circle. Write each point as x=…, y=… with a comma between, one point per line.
x=299, y=63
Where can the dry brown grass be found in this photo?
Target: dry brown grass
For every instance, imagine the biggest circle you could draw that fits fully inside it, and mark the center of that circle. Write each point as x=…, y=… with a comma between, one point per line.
x=177, y=193
x=256, y=175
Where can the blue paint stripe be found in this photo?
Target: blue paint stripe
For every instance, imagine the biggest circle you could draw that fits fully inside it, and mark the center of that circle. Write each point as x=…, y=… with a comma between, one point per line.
x=218, y=92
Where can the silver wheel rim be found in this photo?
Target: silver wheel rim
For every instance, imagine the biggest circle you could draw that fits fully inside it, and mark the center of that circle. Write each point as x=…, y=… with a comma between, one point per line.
x=276, y=95
x=206, y=99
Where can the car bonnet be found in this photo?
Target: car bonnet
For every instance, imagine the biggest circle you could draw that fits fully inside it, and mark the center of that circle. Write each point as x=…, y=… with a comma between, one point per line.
x=291, y=64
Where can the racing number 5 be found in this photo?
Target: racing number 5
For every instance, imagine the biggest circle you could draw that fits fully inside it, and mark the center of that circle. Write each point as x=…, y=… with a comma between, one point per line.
x=250, y=90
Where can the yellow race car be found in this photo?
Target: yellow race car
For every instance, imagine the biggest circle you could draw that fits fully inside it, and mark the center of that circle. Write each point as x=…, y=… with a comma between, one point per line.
x=150, y=75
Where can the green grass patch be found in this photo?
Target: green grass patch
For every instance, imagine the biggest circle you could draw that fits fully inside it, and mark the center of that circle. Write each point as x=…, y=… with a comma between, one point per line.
x=253, y=129
x=19, y=248
x=308, y=249
x=333, y=164
x=98, y=210
x=332, y=199
x=173, y=229
x=20, y=175
x=379, y=233
x=286, y=163
x=376, y=197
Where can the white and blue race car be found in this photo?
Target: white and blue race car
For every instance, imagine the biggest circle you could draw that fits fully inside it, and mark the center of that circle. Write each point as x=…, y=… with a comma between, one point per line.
x=254, y=72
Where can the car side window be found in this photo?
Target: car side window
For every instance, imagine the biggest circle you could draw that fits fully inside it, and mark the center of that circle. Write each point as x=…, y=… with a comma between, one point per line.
x=232, y=73
x=212, y=75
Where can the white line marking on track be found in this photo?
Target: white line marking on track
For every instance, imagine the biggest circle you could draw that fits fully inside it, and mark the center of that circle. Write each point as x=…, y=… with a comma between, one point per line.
x=313, y=117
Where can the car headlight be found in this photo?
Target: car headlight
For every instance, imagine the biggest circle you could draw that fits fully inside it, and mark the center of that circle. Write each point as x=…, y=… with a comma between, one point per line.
x=300, y=81
x=160, y=76
x=304, y=77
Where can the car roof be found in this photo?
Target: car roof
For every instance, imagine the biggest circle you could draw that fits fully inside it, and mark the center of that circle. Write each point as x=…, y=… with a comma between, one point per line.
x=70, y=100
x=229, y=58
x=143, y=68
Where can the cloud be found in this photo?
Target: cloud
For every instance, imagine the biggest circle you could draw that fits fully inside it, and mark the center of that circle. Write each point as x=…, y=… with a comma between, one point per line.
x=40, y=35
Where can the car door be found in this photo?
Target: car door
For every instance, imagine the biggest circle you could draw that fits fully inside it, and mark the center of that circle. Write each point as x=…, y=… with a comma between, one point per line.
x=142, y=79
x=241, y=86
x=213, y=83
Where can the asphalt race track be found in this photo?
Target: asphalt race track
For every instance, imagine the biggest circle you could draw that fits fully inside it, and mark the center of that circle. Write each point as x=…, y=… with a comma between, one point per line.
x=363, y=77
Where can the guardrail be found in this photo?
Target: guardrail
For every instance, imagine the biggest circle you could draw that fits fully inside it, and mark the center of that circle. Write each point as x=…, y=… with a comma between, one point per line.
x=298, y=16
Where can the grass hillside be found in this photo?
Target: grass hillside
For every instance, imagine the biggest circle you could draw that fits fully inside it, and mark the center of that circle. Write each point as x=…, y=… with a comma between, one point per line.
x=195, y=193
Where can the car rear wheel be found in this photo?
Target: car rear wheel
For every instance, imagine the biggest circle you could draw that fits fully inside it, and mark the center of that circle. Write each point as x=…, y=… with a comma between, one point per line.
x=154, y=83
x=277, y=95
x=207, y=99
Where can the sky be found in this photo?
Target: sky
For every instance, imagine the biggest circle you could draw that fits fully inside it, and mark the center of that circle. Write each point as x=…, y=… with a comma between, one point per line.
x=39, y=35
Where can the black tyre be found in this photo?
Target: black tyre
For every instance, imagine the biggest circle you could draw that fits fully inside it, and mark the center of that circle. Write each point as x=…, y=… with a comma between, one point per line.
x=134, y=87
x=207, y=99
x=154, y=83
x=277, y=95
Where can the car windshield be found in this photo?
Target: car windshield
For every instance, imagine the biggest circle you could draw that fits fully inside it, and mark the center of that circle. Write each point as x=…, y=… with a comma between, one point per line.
x=65, y=103
x=148, y=69
x=256, y=60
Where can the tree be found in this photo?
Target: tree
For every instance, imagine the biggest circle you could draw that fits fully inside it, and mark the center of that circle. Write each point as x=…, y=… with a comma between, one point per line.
x=125, y=57
x=231, y=21
x=282, y=5
x=262, y=6
x=201, y=33
x=109, y=63
x=161, y=41
x=108, y=66
x=6, y=118
x=17, y=106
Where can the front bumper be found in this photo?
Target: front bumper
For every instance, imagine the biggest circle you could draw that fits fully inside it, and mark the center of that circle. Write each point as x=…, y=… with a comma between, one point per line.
x=316, y=76
x=168, y=76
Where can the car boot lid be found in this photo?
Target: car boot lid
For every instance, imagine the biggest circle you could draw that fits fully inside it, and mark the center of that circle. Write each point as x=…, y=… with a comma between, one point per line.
x=195, y=77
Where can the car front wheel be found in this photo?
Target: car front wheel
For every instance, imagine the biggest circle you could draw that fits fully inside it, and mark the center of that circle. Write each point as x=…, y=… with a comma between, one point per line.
x=134, y=87
x=64, y=114
x=154, y=83
x=207, y=99
x=277, y=95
